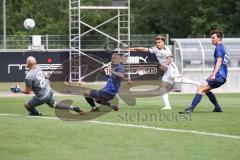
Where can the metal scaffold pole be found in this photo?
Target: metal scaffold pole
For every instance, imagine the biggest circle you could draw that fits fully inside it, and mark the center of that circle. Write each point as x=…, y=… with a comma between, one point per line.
x=122, y=17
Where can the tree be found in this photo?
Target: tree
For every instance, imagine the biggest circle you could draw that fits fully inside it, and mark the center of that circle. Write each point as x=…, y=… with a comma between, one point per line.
x=164, y=16
x=179, y=18
x=51, y=16
x=217, y=14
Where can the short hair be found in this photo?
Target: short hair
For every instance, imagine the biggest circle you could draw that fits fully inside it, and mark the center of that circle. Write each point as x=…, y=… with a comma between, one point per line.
x=217, y=32
x=31, y=60
x=160, y=38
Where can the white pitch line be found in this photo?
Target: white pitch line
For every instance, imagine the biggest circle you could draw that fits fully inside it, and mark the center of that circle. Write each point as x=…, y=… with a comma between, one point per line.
x=137, y=126
x=168, y=129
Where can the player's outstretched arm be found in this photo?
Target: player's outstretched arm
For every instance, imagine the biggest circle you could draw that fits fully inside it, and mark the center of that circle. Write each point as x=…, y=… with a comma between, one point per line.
x=26, y=90
x=17, y=89
x=140, y=49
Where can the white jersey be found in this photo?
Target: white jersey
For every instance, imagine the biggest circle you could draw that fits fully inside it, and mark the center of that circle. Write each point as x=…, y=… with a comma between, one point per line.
x=171, y=73
x=162, y=54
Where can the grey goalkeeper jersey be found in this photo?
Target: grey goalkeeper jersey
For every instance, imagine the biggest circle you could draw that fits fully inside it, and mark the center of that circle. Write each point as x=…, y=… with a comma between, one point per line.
x=162, y=54
x=35, y=79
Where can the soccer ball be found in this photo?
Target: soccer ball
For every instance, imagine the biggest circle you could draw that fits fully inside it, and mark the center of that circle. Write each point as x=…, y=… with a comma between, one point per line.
x=29, y=23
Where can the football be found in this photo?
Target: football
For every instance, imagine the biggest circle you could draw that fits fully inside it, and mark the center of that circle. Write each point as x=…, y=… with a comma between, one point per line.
x=29, y=23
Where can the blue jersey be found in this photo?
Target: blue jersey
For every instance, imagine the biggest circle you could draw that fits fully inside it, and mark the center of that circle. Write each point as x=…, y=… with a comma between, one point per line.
x=220, y=51
x=113, y=82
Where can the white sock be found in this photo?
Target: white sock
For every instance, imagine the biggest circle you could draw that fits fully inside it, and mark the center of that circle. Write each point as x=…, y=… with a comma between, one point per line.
x=187, y=81
x=166, y=100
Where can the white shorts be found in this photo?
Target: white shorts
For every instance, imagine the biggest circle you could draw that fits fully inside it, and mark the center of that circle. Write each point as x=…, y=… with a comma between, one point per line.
x=171, y=73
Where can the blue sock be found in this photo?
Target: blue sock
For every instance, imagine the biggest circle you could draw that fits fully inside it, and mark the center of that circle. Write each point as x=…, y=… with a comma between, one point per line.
x=196, y=100
x=213, y=99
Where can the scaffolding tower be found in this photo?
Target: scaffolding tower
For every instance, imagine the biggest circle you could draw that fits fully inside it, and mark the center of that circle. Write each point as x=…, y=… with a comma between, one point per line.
x=75, y=34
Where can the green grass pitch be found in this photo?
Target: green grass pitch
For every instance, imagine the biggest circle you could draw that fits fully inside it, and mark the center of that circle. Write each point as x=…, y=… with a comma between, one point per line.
x=23, y=137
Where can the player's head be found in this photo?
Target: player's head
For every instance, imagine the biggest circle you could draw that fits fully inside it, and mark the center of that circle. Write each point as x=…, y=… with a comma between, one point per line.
x=216, y=36
x=160, y=42
x=116, y=58
x=31, y=62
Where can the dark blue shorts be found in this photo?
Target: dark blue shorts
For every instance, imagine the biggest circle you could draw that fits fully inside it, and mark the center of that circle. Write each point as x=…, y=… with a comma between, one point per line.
x=101, y=95
x=216, y=83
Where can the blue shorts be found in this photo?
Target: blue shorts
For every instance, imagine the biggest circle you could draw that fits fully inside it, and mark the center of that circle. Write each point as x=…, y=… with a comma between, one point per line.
x=217, y=82
x=101, y=95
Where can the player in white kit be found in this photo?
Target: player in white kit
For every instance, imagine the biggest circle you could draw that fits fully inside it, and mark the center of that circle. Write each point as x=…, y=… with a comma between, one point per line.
x=171, y=74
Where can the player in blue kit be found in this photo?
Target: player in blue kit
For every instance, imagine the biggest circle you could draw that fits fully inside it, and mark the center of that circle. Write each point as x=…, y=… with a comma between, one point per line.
x=106, y=94
x=35, y=81
x=218, y=77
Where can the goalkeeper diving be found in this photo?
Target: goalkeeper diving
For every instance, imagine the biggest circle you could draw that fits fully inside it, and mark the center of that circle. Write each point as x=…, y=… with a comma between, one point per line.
x=35, y=81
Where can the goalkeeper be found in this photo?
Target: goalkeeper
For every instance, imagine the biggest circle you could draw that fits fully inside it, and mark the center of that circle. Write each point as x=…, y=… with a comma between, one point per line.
x=35, y=81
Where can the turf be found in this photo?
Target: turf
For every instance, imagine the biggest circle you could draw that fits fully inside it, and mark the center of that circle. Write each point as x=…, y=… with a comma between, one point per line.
x=23, y=137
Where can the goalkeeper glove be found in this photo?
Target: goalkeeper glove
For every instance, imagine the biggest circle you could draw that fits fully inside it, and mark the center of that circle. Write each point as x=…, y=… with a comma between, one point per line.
x=15, y=88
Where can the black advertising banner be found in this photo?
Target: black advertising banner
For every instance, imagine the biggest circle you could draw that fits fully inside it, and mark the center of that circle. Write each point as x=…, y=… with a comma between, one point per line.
x=138, y=66
x=13, y=64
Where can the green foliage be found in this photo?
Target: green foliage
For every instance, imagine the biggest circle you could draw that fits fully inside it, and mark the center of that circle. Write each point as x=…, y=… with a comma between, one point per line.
x=164, y=16
x=51, y=17
x=217, y=14
x=179, y=18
